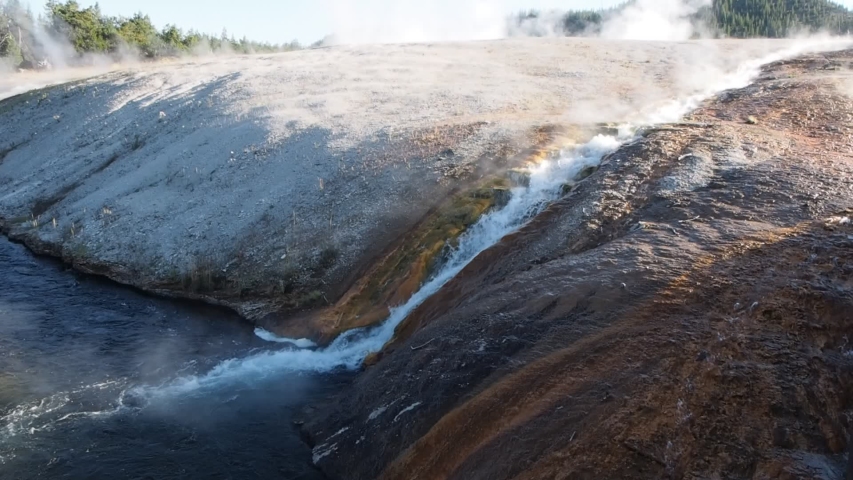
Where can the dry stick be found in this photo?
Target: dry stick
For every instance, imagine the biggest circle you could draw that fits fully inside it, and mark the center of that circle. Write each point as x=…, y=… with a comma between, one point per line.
x=422, y=346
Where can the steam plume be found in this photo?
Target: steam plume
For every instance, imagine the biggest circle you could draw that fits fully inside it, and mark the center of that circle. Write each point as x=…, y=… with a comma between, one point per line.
x=666, y=20
x=405, y=21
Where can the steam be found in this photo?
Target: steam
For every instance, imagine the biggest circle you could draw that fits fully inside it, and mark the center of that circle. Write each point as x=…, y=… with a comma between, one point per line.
x=545, y=24
x=659, y=20
x=742, y=76
x=271, y=337
x=43, y=45
x=58, y=52
x=407, y=21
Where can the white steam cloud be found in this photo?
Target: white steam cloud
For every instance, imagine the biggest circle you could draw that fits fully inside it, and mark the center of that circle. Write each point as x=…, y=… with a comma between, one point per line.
x=665, y=20
x=545, y=24
x=408, y=21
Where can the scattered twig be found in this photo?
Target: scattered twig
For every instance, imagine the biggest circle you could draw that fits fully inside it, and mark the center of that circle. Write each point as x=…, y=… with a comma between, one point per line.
x=697, y=217
x=422, y=346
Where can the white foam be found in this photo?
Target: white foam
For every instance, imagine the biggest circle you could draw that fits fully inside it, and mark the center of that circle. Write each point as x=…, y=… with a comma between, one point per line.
x=271, y=337
x=376, y=413
x=44, y=414
x=407, y=410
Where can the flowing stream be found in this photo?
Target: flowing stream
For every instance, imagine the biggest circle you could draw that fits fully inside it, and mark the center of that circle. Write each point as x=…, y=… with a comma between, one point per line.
x=97, y=381
x=72, y=347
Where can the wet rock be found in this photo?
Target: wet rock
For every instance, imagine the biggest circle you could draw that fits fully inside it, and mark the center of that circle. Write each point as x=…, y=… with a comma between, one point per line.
x=695, y=170
x=781, y=438
x=607, y=129
x=502, y=196
x=585, y=173
x=519, y=177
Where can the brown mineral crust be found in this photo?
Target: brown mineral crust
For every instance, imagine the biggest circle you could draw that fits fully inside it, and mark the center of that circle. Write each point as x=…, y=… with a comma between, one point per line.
x=686, y=312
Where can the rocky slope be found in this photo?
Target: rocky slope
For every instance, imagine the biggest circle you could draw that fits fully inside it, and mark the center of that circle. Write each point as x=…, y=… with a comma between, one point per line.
x=282, y=184
x=686, y=312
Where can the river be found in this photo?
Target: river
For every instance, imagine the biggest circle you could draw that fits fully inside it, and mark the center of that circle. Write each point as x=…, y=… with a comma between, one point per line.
x=73, y=349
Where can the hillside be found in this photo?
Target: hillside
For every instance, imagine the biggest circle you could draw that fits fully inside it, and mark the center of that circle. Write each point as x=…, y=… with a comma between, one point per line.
x=272, y=183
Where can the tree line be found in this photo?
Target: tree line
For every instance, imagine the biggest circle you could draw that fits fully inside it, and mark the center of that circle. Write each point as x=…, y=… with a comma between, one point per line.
x=27, y=38
x=731, y=18
x=779, y=18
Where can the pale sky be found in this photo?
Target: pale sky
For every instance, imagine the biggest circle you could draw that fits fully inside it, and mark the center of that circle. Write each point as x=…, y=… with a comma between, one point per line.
x=280, y=21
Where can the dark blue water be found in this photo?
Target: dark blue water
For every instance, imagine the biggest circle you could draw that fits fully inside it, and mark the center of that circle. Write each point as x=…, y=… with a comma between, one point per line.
x=74, y=349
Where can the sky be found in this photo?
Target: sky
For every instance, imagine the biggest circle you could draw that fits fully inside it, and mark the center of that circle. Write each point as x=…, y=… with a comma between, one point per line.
x=279, y=21
x=356, y=21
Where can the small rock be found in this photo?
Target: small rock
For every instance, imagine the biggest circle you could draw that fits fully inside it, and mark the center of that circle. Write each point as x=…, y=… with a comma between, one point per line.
x=501, y=196
x=751, y=120
x=519, y=177
x=781, y=439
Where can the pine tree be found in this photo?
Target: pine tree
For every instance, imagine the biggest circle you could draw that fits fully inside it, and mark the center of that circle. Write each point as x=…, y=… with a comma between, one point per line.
x=88, y=30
